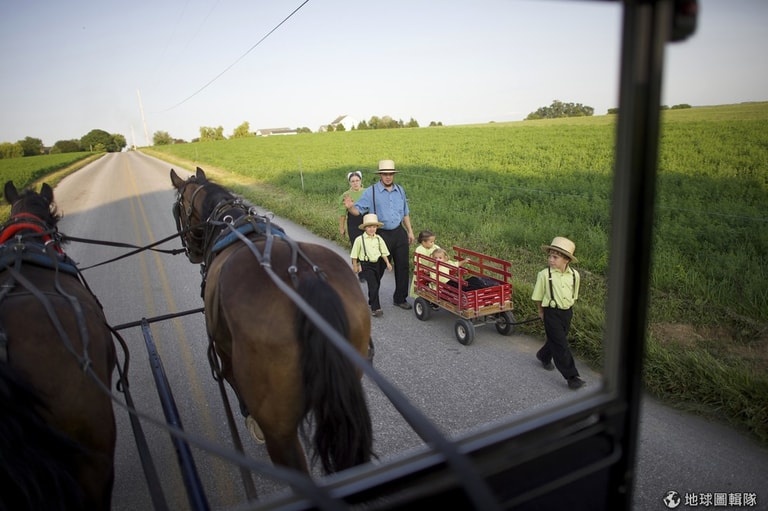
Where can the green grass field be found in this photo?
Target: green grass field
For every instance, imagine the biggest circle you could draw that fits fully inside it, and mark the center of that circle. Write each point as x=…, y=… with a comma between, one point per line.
x=24, y=172
x=506, y=188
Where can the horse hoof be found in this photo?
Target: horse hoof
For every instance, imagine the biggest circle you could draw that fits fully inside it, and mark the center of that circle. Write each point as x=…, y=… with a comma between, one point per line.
x=254, y=429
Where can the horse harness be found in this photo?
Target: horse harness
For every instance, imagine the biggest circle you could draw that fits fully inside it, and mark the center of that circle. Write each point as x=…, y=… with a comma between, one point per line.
x=232, y=220
x=26, y=239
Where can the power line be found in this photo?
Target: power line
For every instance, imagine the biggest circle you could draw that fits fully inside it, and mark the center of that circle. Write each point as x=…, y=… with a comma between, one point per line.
x=241, y=57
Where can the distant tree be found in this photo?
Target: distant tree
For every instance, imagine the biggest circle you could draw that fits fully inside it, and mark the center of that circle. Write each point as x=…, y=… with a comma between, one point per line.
x=412, y=123
x=162, y=138
x=613, y=111
x=340, y=127
x=362, y=125
x=11, y=150
x=329, y=128
x=179, y=141
x=664, y=107
x=210, y=134
x=66, y=146
x=433, y=123
x=681, y=106
x=242, y=131
x=303, y=130
x=559, y=109
x=31, y=146
x=99, y=140
x=119, y=141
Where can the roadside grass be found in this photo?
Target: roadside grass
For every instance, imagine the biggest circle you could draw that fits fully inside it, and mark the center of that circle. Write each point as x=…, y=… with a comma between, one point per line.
x=507, y=188
x=31, y=171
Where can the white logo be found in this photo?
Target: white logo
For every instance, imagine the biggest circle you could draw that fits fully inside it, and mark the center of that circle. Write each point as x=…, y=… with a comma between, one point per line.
x=671, y=499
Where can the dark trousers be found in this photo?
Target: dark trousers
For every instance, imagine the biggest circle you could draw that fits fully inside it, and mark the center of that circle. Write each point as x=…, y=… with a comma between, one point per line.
x=372, y=273
x=353, y=227
x=557, y=322
x=397, y=243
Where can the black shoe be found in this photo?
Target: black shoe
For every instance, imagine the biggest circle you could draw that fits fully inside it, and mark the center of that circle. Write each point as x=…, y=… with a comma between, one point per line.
x=574, y=382
x=549, y=366
x=404, y=305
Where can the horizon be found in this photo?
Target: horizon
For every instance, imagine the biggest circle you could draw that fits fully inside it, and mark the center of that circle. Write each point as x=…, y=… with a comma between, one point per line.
x=200, y=64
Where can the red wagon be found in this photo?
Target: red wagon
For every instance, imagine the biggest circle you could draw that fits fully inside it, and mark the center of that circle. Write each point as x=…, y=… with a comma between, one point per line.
x=436, y=288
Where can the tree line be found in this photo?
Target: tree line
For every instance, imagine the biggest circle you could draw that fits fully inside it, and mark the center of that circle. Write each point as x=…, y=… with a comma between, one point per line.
x=95, y=140
x=208, y=133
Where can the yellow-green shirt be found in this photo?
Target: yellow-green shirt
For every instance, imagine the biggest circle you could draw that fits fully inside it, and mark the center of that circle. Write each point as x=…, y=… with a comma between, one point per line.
x=565, y=286
x=374, y=248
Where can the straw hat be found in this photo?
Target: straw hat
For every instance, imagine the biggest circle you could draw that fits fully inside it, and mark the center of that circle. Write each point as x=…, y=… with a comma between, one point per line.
x=386, y=166
x=370, y=219
x=562, y=245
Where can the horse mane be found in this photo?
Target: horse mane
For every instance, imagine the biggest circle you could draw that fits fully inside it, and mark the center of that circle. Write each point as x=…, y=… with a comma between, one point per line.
x=36, y=204
x=215, y=193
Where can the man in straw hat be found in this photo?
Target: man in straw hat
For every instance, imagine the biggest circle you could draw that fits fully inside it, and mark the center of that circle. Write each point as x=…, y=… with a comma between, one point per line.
x=388, y=201
x=369, y=257
x=555, y=292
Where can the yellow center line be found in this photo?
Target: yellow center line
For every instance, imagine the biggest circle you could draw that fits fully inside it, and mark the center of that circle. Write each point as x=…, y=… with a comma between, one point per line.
x=223, y=484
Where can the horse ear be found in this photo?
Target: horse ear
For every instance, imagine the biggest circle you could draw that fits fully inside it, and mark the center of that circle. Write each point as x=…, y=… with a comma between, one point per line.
x=11, y=194
x=176, y=180
x=47, y=192
x=200, y=174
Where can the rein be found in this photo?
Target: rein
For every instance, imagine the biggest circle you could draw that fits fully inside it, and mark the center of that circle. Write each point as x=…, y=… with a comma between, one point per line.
x=53, y=250
x=138, y=249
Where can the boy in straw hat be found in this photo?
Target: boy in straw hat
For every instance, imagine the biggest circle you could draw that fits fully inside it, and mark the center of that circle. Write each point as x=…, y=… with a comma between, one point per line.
x=555, y=292
x=369, y=257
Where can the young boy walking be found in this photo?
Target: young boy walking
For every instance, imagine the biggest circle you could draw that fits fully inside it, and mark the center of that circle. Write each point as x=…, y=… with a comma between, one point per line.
x=370, y=256
x=555, y=292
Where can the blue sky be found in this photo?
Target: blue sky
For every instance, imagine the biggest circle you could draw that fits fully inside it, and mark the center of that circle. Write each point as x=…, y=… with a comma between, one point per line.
x=69, y=67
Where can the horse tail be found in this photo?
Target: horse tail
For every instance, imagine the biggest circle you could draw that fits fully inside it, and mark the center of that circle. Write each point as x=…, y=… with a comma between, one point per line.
x=333, y=392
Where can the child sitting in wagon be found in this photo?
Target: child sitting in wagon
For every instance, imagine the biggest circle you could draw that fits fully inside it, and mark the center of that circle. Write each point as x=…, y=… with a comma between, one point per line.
x=426, y=247
x=469, y=284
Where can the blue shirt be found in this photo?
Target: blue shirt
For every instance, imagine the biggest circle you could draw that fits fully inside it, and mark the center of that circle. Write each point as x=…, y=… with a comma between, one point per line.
x=391, y=205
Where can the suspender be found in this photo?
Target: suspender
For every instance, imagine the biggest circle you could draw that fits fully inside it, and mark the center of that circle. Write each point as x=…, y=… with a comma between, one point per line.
x=373, y=191
x=365, y=251
x=552, y=291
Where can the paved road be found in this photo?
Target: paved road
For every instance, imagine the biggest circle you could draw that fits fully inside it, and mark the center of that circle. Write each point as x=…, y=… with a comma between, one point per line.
x=127, y=197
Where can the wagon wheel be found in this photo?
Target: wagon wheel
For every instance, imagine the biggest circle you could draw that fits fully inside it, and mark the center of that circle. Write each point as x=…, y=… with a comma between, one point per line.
x=465, y=331
x=422, y=308
x=505, y=323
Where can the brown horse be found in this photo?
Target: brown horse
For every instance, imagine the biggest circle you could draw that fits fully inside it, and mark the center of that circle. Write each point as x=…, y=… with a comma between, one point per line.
x=53, y=333
x=281, y=366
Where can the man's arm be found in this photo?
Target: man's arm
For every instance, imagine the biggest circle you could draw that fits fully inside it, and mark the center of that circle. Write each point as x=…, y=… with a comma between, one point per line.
x=407, y=223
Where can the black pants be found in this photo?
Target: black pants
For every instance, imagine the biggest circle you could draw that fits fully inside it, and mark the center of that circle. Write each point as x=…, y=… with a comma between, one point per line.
x=557, y=322
x=372, y=273
x=397, y=243
x=353, y=227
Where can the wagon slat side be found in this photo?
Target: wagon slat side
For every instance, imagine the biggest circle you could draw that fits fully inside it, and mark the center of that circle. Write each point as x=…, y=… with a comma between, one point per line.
x=475, y=306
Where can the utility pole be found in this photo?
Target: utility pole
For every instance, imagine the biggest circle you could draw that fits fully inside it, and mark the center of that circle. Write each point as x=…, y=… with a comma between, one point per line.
x=143, y=120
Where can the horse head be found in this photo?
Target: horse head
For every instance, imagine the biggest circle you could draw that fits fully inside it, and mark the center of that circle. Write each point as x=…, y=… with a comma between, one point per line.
x=32, y=205
x=188, y=212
